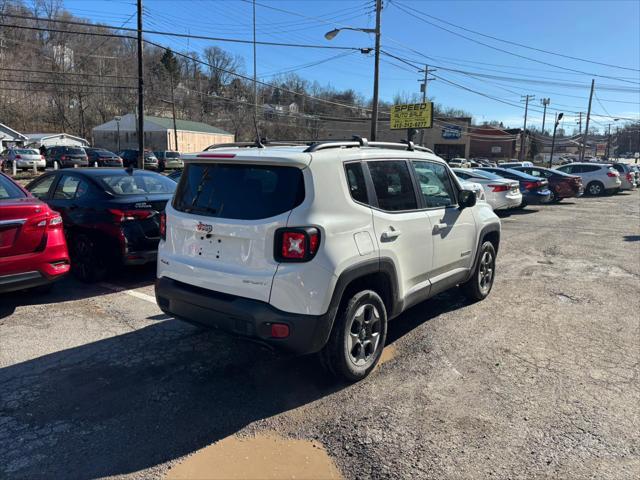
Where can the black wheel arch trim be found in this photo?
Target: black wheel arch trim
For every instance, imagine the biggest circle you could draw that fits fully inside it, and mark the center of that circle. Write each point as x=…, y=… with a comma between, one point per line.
x=354, y=272
x=491, y=228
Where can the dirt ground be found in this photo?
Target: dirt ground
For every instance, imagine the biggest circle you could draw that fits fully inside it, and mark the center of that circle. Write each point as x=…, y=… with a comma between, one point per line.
x=538, y=381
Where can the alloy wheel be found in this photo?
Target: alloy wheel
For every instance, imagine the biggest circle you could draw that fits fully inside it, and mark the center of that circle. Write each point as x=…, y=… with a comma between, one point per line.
x=364, y=334
x=485, y=272
x=595, y=189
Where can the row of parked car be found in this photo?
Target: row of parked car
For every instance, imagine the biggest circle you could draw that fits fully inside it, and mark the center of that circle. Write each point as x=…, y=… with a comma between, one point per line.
x=518, y=184
x=69, y=157
x=310, y=248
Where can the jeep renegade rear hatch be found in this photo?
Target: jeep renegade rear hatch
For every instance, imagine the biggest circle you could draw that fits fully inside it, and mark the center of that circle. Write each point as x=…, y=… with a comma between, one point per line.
x=220, y=234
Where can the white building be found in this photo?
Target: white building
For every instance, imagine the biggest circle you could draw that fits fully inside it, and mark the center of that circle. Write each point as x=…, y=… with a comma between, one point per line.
x=10, y=137
x=36, y=140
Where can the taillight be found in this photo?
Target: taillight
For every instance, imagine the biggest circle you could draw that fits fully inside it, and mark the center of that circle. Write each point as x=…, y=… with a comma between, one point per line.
x=42, y=157
x=18, y=157
x=500, y=188
x=296, y=244
x=63, y=157
x=163, y=226
x=629, y=177
x=532, y=185
x=55, y=222
x=120, y=216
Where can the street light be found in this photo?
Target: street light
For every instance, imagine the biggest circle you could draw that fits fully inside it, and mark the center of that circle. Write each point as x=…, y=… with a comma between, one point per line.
x=117, y=119
x=609, y=137
x=553, y=140
x=376, y=70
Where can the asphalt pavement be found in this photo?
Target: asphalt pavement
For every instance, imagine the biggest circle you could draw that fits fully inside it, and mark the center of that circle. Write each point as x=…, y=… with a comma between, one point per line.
x=538, y=381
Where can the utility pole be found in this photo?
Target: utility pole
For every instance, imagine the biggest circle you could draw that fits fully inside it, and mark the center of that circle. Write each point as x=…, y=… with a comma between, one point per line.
x=423, y=89
x=523, y=137
x=544, y=102
x=608, y=139
x=255, y=72
x=140, y=91
x=586, y=127
x=553, y=140
x=376, y=74
x=579, y=123
x=173, y=109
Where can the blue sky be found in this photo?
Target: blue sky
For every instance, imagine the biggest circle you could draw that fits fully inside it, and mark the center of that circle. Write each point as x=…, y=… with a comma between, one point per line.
x=601, y=31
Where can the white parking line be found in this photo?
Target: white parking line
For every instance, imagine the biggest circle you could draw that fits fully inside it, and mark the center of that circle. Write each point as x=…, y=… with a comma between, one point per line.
x=133, y=293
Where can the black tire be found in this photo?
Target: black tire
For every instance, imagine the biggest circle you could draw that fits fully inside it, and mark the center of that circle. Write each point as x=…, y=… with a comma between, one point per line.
x=595, y=189
x=479, y=285
x=358, y=337
x=88, y=262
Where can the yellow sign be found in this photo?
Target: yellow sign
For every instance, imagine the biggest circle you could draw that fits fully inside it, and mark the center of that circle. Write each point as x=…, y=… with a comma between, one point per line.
x=412, y=115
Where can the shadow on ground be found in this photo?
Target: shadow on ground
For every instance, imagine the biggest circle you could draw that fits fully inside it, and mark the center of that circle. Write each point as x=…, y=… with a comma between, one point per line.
x=69, y=289
x=136, y=400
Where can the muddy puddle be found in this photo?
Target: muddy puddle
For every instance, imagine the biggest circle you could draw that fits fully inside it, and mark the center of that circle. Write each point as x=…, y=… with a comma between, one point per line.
x=264, y=456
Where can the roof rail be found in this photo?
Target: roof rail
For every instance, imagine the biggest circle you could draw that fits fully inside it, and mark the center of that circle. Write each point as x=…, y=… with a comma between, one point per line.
x=362, y=142
x=263, y=143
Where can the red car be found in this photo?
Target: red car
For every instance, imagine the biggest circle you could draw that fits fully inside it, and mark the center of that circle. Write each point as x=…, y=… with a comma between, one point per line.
x=562, y=185
x=33, y=250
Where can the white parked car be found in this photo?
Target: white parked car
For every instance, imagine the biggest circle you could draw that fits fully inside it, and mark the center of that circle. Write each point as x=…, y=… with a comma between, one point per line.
x=598, y=178
x=314, y=248
x=515, y=164
x=459, y=163
x=25, y=158
x=627, y=176
x=501, y=193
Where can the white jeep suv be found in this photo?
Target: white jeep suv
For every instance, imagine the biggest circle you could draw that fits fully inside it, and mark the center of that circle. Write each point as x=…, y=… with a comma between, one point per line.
x=313, y=248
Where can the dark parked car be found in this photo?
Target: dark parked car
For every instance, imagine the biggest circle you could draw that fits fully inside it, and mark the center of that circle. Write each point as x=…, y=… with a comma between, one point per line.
x=33, y=250
x=130, y=159
x=103, y=157
x=111, y=216
x=534, y=190
x=67, y=157
x=562, y=185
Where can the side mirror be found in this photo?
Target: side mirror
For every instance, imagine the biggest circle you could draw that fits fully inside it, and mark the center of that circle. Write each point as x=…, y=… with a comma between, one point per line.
x=466, y=198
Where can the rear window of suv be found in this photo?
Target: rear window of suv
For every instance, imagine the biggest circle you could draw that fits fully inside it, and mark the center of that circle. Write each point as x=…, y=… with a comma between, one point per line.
x=241, y=192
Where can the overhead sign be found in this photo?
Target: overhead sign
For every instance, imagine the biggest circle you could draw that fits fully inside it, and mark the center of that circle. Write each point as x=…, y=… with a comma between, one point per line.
x=451, y=132
x=601, y=149
x=412, y=115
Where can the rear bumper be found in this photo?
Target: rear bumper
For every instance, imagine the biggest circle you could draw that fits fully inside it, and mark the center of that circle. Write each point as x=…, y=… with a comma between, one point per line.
x=140, y=258
x=21, y=281
x=536, y=197
x=242, y=316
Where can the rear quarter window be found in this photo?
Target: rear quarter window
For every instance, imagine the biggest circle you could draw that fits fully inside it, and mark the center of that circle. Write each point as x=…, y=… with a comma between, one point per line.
x=8, y=190
x=241, y=192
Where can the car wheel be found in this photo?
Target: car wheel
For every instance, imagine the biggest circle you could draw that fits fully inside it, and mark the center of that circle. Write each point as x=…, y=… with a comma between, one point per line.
x=358, y=337
x=595, y=188
x=479, y=285
x=86, y=262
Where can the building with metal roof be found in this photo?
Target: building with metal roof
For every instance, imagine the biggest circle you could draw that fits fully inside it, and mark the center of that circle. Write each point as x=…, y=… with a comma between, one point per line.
x=122, y=133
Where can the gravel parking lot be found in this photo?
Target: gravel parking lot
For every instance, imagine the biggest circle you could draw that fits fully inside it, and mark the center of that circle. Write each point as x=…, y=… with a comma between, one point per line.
x=540, y=380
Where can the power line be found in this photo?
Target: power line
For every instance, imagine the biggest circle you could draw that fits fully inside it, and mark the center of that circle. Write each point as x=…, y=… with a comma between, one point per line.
x=510, y=42
x=418, y=14
x=169, y=34
x=50, y=72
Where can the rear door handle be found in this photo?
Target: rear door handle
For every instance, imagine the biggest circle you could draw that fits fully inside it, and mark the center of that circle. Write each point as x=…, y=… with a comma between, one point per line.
x=390, y=234
x=438, y=227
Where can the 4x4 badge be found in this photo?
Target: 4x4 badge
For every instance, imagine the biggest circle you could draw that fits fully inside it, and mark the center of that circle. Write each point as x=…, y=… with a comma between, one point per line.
x=204, y=227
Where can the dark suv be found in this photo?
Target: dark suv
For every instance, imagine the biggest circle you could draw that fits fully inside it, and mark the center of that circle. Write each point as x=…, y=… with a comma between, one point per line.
x=130, y=159
x=67, y=157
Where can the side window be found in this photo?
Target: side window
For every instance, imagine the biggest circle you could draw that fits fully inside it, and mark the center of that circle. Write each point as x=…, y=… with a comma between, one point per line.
x=70, y=187
x=41, y=187
x=393, y=186
x=355, y=180
x=435, y=184
x=462, y=175
x=590, y=168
